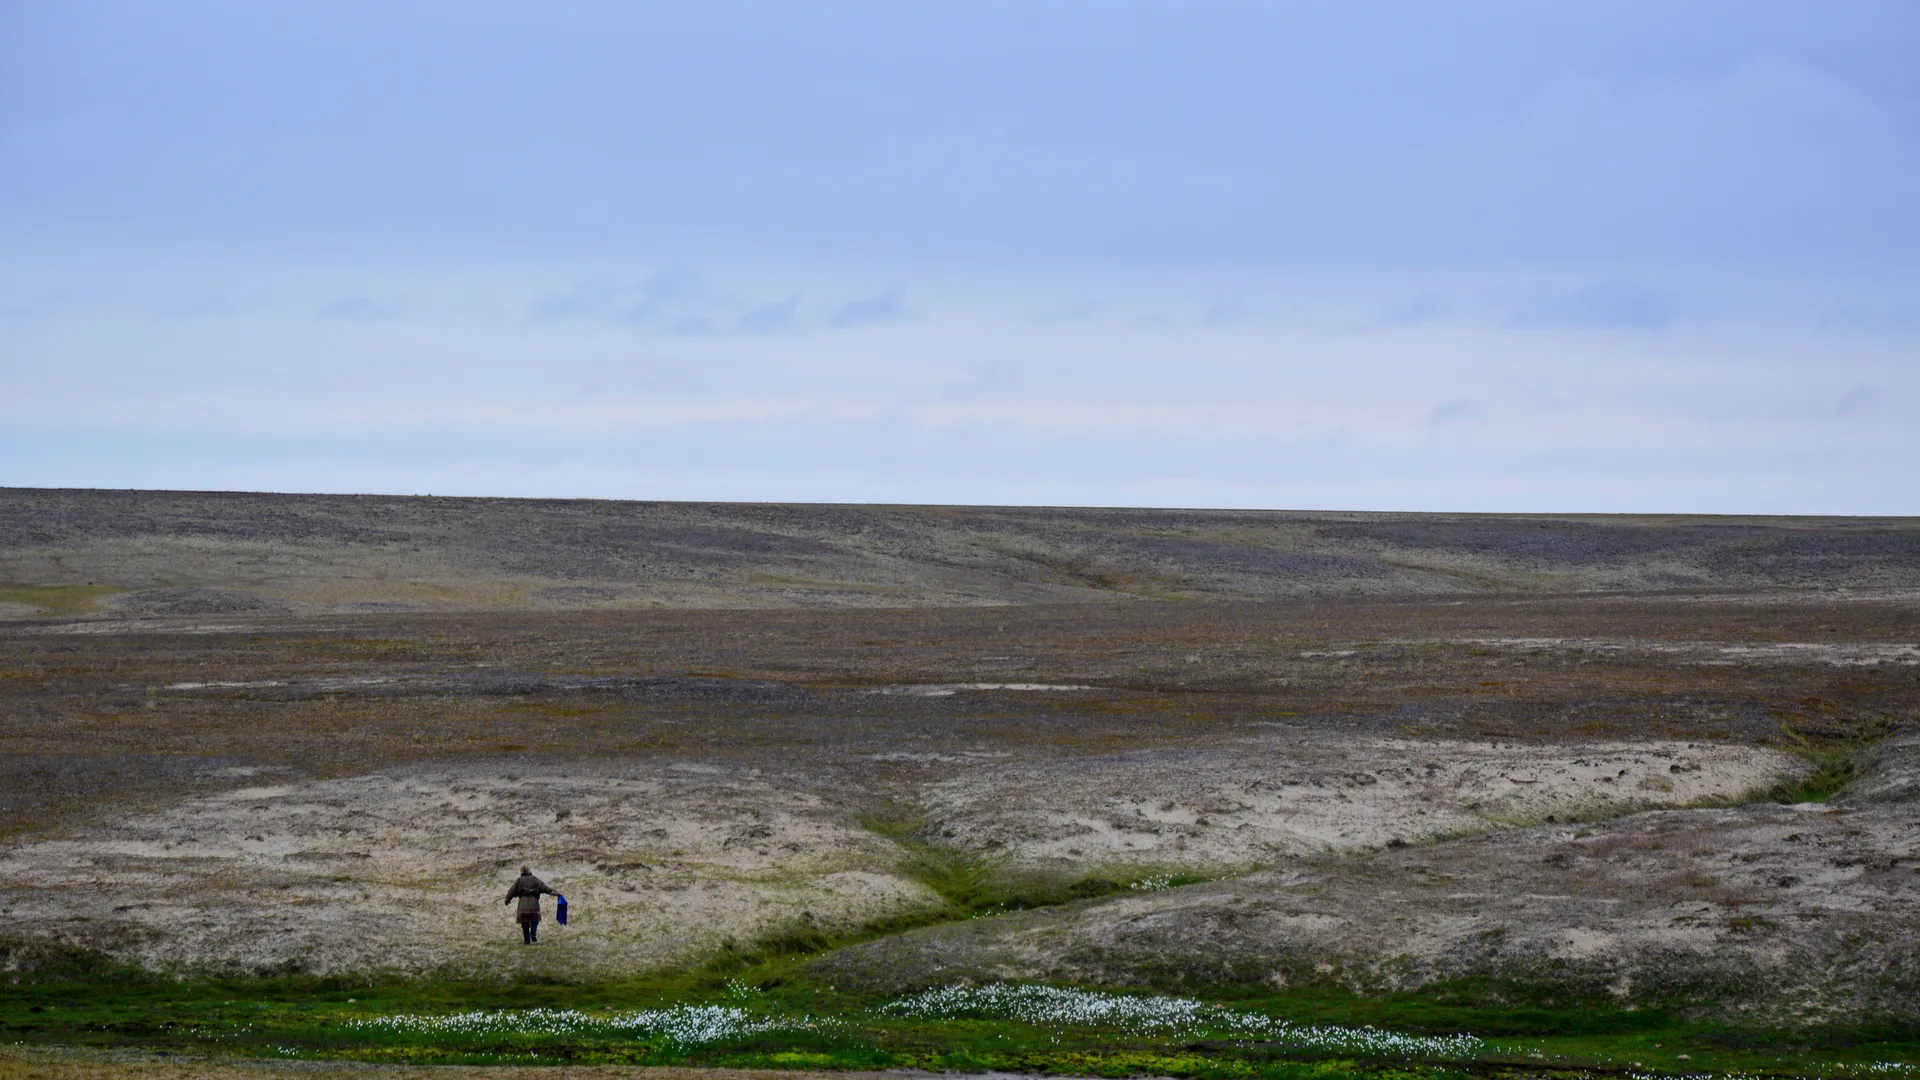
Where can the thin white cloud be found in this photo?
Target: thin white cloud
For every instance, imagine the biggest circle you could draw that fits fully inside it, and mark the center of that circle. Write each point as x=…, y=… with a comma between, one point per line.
x=1608, y=304
x=1310, y=395
x=886, y=306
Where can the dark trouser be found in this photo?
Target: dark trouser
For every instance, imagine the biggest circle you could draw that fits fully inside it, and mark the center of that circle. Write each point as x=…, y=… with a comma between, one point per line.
x=529, y=929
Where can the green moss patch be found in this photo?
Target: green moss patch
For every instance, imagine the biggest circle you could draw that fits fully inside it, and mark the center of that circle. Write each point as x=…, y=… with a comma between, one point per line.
x=798, y=1023
x=58, y=599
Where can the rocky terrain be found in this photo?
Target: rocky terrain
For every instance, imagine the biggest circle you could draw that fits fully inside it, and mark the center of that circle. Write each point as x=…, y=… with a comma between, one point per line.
x=401, y=869
x=1792, y=913
x=269, y=734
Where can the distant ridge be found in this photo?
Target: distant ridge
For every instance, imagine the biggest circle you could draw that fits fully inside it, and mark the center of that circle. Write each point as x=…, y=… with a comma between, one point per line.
x=99, y=553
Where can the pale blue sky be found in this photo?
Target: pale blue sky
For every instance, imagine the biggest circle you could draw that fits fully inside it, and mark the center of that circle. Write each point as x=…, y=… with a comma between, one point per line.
x=1421, y=255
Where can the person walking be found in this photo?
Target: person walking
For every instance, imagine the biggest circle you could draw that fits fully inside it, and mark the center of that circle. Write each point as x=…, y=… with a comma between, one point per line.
x=527, y=890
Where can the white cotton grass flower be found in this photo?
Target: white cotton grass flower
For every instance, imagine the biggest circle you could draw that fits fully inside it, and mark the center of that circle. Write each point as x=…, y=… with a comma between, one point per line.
x=1049, y=1006
x=1054, y=1007
x=1866, y=1068
x=683, y=1025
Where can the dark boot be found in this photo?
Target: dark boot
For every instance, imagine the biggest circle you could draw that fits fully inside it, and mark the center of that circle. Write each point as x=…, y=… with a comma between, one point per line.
x=526, y=933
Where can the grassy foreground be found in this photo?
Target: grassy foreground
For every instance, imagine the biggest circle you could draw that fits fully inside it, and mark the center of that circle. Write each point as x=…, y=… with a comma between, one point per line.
x=17, y=1063
x=757, y=1011
x=793, y=1024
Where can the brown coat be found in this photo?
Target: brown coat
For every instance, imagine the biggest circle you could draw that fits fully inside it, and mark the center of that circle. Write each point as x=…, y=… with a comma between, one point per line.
x=527, y=889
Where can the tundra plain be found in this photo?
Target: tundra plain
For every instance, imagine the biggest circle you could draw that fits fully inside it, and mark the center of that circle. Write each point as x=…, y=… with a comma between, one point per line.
x=1661, y=762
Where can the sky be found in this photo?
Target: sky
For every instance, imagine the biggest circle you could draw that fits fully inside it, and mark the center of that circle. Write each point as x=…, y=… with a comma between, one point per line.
x=1419, y=255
